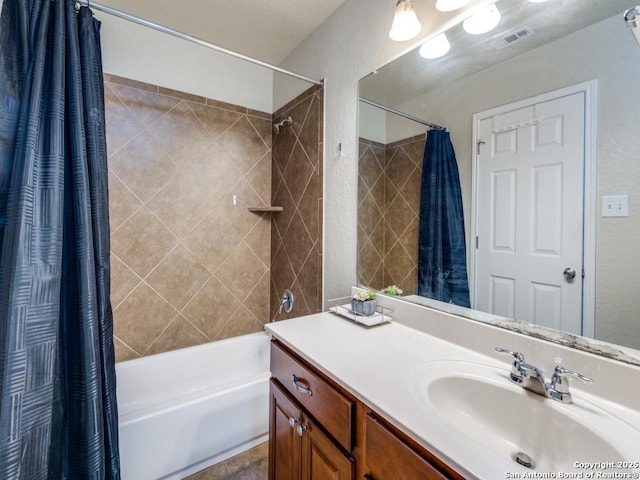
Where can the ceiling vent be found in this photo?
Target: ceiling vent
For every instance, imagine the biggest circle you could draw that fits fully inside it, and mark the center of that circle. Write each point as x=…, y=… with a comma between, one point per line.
x=513, y=37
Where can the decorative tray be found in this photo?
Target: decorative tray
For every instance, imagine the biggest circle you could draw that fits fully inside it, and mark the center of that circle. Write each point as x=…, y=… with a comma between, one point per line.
x=342, y=307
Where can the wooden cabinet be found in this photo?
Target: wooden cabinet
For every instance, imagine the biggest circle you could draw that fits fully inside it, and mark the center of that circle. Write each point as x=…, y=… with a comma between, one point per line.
x=318, y=431
x=387, y=456
x=299, y=449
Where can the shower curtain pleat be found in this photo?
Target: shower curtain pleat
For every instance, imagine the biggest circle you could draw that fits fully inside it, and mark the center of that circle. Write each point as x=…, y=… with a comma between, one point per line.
x=442, y=257
x=58, y=411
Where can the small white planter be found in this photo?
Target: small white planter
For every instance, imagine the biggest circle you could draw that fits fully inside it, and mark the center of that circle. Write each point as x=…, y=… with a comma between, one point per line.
x=363, y=307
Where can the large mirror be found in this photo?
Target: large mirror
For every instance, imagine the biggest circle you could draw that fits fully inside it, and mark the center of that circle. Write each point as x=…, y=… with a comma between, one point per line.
x=538, y=52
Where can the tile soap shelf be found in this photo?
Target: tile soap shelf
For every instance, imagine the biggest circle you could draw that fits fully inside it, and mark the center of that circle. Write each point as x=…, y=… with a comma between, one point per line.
x=342, y=307
x=270, y=209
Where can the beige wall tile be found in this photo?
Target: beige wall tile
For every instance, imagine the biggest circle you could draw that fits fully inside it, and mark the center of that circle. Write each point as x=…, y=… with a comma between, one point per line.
x=179, y=205
x=241, y=270
x=146, y=106
x=178, y=277
x=142, y=242
x=142, y=166
x=179, y=334
x=123, y=281
x=141, y=318
x=211, y=308
x=122, y=203
x=121, y=124
x=242, y=322
x=215, y=120
x=180, y=134
x=122, y=351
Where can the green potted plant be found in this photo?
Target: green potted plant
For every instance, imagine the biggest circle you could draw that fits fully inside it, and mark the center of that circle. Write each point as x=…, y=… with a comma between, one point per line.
x=364, y=303
x=392, y=290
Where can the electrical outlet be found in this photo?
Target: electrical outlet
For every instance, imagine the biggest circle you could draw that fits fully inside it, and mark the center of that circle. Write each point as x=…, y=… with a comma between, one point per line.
x=615, y=205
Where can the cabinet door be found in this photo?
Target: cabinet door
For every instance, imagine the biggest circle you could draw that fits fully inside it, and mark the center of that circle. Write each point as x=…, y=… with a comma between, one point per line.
x=388, y=457
x=321, y=458
x=284, y=441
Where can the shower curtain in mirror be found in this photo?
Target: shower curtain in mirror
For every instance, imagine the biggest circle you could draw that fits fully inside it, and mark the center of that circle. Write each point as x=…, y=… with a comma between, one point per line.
x=58, y=414
x=442, y=258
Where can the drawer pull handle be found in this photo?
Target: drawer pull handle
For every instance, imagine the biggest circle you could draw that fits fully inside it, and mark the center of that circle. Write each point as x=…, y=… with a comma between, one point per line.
x=368, y=477
x=301, y=429
x=293, y=421
x=301, y=387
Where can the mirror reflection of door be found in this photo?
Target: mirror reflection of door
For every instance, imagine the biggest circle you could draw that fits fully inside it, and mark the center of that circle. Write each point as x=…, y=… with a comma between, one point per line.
x=529, y=213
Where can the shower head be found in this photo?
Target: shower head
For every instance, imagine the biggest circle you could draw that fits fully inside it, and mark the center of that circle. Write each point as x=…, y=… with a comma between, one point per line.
x=632, y=17
x=278, y=126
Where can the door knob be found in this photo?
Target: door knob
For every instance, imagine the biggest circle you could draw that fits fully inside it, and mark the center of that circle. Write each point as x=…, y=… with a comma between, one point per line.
x=569, y=274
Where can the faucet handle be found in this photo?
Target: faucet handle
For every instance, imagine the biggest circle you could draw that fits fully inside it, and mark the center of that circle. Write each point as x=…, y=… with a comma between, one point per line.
x=516, y=370
x=558, y=379
x=519, y=357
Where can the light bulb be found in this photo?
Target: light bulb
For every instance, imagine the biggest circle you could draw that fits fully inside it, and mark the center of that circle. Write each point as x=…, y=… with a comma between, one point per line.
x=483, y=20
x=436, y=47
x=450, y=5
x=405, y=22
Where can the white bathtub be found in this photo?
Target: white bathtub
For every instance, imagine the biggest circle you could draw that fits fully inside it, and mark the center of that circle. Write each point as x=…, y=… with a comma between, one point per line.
x=183, y=411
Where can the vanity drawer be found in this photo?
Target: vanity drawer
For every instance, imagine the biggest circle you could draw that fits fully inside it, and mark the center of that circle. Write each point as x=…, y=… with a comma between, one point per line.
x=386, y=455
x=333, y=410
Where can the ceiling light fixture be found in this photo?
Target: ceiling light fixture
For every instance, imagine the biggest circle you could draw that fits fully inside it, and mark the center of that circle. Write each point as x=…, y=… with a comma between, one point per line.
x=537, y=1
x=450, y=5
x=483, y=20
x=405, y=22
x=436, y=47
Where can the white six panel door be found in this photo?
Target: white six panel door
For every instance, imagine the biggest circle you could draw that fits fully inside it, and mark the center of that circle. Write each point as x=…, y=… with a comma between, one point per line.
x=530, y=214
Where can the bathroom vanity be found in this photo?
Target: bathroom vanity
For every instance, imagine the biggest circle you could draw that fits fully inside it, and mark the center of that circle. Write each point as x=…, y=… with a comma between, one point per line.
x=350, y=439
x=427, y=395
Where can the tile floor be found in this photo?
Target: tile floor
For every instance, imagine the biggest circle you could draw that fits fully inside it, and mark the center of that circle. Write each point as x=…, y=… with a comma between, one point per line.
x=250, y=465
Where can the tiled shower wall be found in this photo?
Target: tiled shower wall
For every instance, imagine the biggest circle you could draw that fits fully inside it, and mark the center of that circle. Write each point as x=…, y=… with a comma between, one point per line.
x=296, y=239
x=189, y=264
x=389, y=178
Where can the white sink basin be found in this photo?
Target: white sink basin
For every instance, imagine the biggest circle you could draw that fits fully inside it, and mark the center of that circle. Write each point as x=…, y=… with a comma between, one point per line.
x=479, y=402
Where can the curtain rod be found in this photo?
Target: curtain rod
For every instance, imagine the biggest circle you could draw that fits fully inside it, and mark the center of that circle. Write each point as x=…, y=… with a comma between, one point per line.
x=146, y=23
x=402, y=114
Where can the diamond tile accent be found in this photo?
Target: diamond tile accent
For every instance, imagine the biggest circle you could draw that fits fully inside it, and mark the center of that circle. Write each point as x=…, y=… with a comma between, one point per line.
x=241, y=270
x=180, y=134
x=142, y=242
x=297, y=185
x=121, y=124
x=122, y=202
x=134, y=163
x=179, y=334
x=211, y=308
x=180, y=216
x=142, y=305
x=178, y=277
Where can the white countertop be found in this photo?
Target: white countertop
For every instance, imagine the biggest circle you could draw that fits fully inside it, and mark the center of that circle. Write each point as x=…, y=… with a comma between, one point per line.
x=379, y=366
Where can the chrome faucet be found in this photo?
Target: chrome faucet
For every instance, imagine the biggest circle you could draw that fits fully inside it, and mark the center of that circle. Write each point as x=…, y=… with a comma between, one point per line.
x=532, y=379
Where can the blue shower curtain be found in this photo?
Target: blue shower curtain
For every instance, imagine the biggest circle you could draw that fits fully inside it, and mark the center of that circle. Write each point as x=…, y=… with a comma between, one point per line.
x=442, y=257
x=58, y=414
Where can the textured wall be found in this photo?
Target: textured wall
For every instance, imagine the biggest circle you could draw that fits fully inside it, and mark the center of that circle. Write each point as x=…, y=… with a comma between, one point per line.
x=388, y=213
x=133, y=51
x=188, y=266
x=296, y=240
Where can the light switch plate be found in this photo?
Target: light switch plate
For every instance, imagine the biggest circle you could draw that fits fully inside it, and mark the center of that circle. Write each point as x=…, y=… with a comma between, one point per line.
x=615, y=205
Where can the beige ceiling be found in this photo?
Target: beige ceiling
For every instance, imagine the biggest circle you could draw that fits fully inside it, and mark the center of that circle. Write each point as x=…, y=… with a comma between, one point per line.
x=264, y=29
